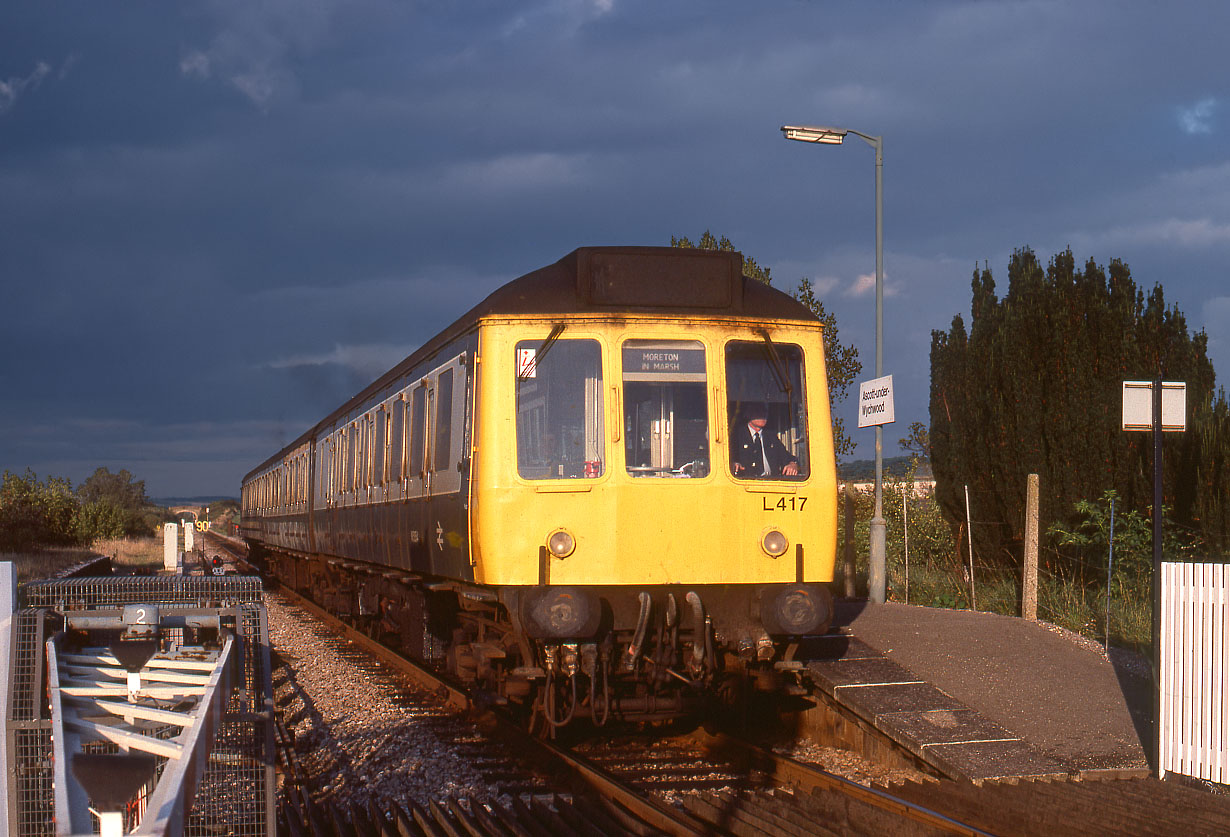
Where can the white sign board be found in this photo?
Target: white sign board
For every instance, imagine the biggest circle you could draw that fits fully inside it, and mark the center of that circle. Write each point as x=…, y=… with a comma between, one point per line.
x=875, y=402
x=1138, y=405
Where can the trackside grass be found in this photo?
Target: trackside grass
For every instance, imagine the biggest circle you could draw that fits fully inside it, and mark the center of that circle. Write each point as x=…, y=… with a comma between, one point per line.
x=133, y=553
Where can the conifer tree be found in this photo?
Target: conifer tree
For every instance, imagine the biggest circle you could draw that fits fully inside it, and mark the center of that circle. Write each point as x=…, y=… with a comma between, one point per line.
x=1035, y=387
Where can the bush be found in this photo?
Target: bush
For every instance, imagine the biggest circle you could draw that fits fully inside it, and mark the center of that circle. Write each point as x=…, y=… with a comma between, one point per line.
x=34, y=513
x=101, y=519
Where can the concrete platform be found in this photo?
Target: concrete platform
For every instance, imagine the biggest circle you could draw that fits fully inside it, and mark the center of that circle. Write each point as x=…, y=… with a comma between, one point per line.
x=980, y=696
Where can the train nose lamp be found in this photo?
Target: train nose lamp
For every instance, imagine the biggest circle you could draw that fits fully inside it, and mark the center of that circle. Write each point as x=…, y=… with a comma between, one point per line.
x=774, y=543
x=561, y=544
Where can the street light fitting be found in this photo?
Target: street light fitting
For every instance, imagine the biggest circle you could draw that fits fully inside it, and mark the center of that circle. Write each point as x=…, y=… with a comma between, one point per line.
x=815, y=133
x=876, y=575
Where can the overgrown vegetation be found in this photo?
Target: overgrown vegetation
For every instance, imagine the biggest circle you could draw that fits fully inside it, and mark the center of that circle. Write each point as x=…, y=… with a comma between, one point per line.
x=133, y=553
x=1072, y=595
x=36, y=514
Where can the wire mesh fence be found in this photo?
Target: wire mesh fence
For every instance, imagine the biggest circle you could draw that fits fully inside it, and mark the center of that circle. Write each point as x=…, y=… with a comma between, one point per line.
x=236, y=793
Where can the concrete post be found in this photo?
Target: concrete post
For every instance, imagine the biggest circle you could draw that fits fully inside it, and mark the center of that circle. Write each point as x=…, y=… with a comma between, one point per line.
x=170, y=546
x=1029, y=572
x=849, y=555
x=8, y=605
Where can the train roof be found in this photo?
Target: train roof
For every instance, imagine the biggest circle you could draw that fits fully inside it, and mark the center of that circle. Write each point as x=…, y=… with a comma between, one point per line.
x=664, y=281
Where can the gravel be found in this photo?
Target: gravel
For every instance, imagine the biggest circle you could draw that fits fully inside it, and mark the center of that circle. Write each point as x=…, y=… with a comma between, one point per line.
x=361, y=734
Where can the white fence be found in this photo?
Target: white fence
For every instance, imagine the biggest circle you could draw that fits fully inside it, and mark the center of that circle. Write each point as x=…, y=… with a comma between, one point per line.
x=1194, y=733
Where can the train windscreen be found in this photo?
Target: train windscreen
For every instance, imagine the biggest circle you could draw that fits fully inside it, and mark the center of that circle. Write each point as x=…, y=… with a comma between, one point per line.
x=766, y=410
x=559, y=410
x=666, y=412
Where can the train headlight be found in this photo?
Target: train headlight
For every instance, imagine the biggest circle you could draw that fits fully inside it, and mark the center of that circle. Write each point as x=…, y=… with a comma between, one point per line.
x=774, y=543
x=561, y=544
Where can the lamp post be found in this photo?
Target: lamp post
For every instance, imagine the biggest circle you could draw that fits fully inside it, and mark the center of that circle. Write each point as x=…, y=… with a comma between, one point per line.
x=835, y=136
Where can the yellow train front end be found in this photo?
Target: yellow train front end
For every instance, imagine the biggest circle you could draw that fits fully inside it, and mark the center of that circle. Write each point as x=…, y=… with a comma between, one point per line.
x=655, y=498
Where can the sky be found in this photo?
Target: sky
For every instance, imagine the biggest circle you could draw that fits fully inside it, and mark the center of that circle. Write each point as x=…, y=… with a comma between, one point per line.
x=220, y=219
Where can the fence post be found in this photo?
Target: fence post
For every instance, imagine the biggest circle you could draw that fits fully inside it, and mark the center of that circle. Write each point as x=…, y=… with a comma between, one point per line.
x=1029, y=571
x=849, y=562
x=969, y=534
x=1110, y=569
x=905, y=540
x=8, y=604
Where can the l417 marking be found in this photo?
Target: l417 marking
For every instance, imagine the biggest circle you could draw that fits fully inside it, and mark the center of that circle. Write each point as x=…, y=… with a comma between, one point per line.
x=784, y=504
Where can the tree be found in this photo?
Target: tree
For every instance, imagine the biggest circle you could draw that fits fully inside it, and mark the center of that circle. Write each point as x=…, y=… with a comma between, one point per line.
x=119, y=489
x=917, y=443
x=113, y=506
x=34, y=513
x=841, y=362
x=1034, y=386
x=751, y=269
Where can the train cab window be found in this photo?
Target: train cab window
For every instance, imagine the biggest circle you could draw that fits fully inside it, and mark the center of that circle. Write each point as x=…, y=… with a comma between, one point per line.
x=666, y=409
x=560, y=418
x=764, y=382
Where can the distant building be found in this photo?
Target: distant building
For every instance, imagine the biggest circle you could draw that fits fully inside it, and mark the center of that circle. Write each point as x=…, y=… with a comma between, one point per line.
x=922, y=487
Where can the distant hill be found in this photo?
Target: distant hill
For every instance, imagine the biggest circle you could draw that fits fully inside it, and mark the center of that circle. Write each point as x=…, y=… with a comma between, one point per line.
x=865, y=469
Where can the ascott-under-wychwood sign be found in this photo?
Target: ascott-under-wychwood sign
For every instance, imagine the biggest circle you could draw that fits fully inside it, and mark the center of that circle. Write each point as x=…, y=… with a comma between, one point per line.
x=875, y=402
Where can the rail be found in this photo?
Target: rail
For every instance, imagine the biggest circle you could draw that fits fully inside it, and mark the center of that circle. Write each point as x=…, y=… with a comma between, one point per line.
x=621, y=797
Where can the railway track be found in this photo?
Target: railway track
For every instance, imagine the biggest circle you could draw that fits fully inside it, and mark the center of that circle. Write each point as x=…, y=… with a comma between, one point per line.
x=700, y=784
x=707, y=785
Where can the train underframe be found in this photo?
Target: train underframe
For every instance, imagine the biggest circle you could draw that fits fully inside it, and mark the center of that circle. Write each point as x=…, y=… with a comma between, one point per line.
x=576, y=655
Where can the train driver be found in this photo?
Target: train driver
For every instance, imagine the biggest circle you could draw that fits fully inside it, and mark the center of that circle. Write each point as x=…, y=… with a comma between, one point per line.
x=756, y=453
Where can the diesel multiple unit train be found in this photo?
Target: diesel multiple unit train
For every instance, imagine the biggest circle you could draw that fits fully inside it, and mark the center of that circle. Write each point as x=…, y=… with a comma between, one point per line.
x=606, y=492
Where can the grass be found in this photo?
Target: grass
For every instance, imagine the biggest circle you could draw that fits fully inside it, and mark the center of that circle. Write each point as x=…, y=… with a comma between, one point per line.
x=135, y=553
x=1063, y=601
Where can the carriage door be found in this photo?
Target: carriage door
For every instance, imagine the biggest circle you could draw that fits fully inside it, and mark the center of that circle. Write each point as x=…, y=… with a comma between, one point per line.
x=447, y=530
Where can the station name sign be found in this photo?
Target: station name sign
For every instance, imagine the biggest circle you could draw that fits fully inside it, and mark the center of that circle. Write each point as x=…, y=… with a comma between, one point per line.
x=875, y=402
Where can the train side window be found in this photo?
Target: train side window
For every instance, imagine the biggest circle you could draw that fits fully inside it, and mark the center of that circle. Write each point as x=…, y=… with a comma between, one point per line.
x=765, y=387
x=418, y=411
x=352, y=439
x=666, y=408
x=560, y=417
x=444, y=420
x=365, y=451
x=397, y=444
x=380, y=444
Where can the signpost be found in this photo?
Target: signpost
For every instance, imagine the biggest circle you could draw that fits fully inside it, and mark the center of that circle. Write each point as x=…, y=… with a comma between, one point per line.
x=1159, y=406
x=875, y=408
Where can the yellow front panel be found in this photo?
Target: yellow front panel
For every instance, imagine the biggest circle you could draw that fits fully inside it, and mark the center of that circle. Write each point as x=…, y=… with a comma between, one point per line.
x=646, y=530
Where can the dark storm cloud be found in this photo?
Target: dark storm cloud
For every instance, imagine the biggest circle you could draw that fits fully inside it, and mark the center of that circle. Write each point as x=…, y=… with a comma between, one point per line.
x=220, y=219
